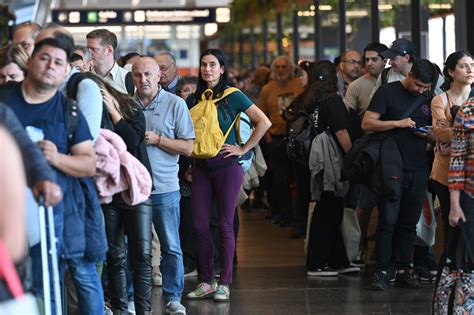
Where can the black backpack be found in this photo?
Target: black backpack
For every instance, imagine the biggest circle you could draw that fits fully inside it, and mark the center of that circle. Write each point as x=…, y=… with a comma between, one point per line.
x=300, y=137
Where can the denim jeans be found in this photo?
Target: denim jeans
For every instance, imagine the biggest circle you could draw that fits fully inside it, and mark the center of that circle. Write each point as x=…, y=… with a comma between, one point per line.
x=396, y=229
x=166, y=222
x=90, y=294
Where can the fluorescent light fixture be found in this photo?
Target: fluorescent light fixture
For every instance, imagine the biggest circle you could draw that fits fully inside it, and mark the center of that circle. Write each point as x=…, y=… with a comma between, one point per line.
x=210, y=29
x=222, y=15
x=440, y=6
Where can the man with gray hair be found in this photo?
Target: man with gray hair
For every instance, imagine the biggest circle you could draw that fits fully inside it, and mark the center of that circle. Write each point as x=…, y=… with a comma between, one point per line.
x=169, y=71
x=85, y=53
x=25, y=35
x=275, y=97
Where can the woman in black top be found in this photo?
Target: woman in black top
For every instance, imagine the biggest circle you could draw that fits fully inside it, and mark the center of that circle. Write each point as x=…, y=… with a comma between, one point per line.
x=301, y=172
x=123, y=116
x=326, y=251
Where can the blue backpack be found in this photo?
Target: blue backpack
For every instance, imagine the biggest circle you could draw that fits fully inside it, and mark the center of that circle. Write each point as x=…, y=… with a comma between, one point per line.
x=244, y=126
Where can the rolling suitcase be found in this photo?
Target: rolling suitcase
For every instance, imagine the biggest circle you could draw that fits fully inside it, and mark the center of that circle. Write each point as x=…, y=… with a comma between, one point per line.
x=52, y=253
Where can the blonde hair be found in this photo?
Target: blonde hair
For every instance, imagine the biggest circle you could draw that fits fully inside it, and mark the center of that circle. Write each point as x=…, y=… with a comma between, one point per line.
x=13, y=53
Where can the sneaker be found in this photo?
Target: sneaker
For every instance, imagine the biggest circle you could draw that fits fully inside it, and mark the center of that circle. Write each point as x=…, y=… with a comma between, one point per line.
x=380, y=281
x=433, y=266
x=131, y=308
x=424, y=273
x=348, y=269
x=157, y=280
x=222, y=293
x=107, y=310
x=391, y=274
x=406, y=280
x=175, y=308
x=193, y=273
x=203, y=290
x=323, y=272
x=359, y=260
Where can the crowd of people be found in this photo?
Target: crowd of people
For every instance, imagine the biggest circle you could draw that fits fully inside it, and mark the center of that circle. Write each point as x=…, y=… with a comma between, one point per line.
x=110, y=145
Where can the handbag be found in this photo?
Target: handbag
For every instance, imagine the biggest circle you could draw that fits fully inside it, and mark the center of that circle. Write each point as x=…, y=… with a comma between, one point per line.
x=20, y=303
x=426, y=226
x=454, y=288
x=350, y=230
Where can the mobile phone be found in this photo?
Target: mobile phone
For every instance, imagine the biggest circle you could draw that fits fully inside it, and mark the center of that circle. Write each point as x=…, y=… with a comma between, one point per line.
x=424, y=129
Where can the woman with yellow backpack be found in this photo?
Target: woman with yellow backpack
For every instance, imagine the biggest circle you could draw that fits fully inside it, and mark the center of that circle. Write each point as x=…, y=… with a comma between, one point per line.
x=217, y=174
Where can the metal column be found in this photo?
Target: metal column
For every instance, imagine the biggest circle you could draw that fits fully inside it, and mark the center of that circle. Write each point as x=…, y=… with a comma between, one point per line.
x=279, y=23
x=296, y=37
x=416, y=25
x=342, y=26
x=265, y=41
x=253, y=56
x=241, y=49
x=317, y=31
x=375, y=21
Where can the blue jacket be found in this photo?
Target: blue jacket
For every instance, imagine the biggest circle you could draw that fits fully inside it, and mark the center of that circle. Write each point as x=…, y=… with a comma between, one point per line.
x=84, y=229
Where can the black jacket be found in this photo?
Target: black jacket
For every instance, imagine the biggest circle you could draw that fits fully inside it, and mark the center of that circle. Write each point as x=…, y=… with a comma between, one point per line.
x=375, y=160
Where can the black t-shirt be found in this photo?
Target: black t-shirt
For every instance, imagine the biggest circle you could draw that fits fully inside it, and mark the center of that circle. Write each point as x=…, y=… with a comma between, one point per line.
x=333, y=115
x=391, y=101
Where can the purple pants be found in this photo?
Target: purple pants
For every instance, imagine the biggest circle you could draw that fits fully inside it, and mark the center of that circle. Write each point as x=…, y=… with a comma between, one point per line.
x=215, y=179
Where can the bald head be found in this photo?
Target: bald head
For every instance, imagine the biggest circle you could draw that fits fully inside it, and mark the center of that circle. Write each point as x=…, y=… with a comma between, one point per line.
x=146, y=77
x=25, y=35
x=51, y=32
x=351, y=65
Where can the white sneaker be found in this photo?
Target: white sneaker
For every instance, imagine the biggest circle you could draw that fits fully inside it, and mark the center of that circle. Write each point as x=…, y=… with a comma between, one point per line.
x=191, y=274
x=131, y=308
x=157, y=280
x=348, y=269
x=175, y=308
x=107, y=310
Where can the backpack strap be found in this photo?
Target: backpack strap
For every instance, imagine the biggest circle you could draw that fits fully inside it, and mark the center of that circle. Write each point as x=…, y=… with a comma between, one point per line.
x=230, y=127
x=414, y=105
x=72, y=119
x=72, y=85
x=384, y=75
x=129, y=84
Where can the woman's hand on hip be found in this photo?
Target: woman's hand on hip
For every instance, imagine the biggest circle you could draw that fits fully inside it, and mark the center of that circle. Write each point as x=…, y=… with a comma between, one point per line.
x=232, y=150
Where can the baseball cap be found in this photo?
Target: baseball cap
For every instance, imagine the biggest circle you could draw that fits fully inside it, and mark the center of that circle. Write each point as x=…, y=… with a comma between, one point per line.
x=400, y=47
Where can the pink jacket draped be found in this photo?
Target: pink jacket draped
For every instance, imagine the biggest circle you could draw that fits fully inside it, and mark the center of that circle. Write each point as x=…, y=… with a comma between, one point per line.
x=119, y=171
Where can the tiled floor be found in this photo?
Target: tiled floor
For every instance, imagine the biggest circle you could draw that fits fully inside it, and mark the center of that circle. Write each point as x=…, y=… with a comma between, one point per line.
x=271, y=279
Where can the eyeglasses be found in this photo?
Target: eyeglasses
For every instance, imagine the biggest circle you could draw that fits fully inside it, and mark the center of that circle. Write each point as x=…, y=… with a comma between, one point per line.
x=353, y=61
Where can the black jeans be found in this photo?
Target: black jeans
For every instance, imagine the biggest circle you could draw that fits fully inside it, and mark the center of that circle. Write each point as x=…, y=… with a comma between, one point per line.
x=442, y=192
x=303, y=195
x=396, y=229
x=280, y=167
x=326, y=246
x=134, y=221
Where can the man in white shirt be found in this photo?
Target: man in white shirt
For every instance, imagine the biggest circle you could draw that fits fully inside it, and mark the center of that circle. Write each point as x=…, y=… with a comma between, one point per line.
x=358, y=92
x=102, y=44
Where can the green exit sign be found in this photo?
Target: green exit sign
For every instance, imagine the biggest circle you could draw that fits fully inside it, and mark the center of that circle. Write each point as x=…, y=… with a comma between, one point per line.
x=92, y=17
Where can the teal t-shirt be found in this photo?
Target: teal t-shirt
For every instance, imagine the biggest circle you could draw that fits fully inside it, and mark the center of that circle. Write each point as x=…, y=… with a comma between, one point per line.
x=228, y=109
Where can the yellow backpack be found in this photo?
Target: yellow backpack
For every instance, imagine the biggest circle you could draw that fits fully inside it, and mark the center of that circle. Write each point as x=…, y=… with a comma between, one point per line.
x=209, y=138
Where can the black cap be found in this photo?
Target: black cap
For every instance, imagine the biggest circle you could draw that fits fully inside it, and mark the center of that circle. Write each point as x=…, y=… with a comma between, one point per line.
x=400, y=47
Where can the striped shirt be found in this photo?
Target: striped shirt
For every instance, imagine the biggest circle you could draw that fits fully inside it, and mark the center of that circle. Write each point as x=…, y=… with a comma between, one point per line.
x=461, y=168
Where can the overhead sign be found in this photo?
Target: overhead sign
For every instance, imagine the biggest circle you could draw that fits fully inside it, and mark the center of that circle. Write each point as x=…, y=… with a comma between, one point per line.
x=141, y=16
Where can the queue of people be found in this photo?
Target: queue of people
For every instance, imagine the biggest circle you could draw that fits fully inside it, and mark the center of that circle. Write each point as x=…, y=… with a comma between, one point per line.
x=114, y=145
